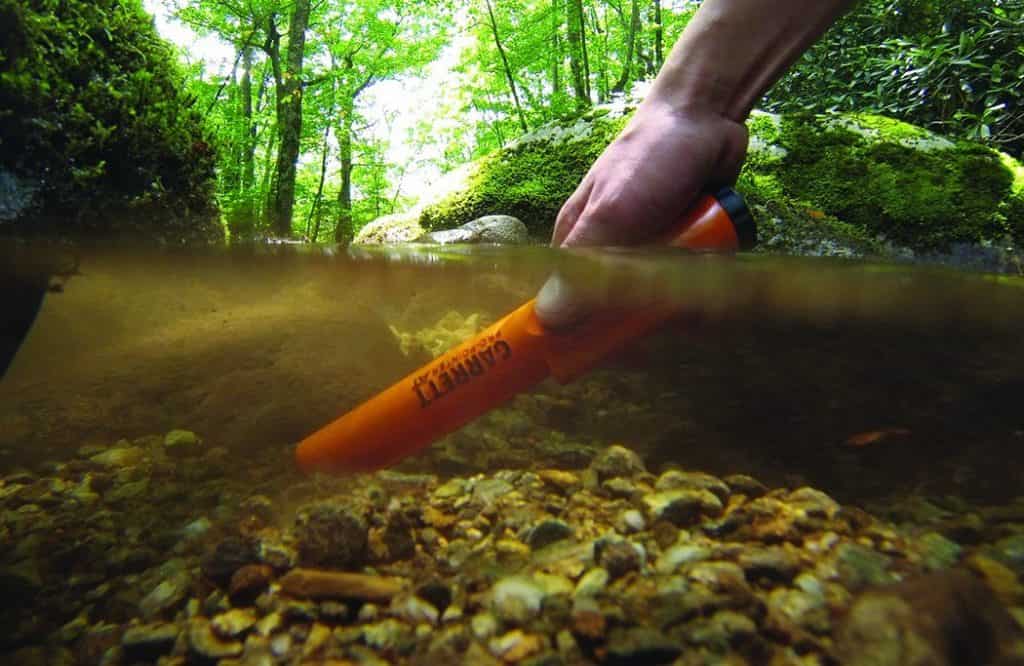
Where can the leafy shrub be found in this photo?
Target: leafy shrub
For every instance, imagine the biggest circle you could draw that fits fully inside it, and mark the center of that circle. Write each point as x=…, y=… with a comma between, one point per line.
x=954, y=67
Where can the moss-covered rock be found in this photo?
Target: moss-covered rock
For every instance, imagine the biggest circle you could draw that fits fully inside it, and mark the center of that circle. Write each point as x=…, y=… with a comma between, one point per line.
x=396, y=228
x=842, y=185
x=98, y=132
x=530, y=178
x=887, y=178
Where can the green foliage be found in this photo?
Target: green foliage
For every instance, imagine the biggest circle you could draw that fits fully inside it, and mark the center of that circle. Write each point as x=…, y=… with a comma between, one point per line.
x=954, y=67
x=91, y=103
x=349, y=47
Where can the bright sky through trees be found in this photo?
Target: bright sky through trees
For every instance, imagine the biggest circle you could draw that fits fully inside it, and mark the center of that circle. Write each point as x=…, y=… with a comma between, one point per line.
x=403, y=100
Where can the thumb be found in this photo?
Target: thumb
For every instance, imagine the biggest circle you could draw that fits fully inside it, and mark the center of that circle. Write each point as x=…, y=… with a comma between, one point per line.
x=559, y=305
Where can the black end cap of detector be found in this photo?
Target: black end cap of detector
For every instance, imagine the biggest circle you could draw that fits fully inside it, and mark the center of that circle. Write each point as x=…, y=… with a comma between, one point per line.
x=742, y=220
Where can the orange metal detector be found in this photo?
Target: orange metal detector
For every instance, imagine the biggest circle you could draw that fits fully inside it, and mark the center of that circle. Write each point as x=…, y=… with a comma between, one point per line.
x=507, y=358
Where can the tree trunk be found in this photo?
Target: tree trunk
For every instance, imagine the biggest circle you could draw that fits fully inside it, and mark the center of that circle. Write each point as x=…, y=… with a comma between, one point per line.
x=556, y=50
x=508, y=69
x=248, y=170
x=343, y=227
x=577, y=53
x=627, y=66
x=314, y=209
x=602, y=59
x=659, y=56
x=289, y=122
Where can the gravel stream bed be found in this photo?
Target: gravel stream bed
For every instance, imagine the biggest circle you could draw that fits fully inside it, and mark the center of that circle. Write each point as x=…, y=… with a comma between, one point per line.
x=153, y=551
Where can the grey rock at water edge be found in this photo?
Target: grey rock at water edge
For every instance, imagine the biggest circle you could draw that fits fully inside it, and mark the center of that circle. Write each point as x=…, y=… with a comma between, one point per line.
x=500, y=229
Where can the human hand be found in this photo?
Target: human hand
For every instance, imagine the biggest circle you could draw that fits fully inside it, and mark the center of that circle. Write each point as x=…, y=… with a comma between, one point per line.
x=641, y=185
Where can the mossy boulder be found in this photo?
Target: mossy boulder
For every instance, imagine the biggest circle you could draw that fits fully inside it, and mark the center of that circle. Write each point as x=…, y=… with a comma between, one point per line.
x=387, y=229
x=530, y=178
x=886, y=178
x=837, y=184
x=99, y=135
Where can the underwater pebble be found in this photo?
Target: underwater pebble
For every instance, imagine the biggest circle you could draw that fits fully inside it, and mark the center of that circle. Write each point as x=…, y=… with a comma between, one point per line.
x=621, y=488
x=678, y=555
x=269, y=624
x=516, y=599
x=592, y=583
x=619, y=557
x=631, y=521
x=319, y=584
x=677, y=479
x=319, y=634
x=249, y=582
x=207, y=644
x=165, y=597
x=415, y=610
x=682, y=507
x=548, y=532
x=120, y=457
x=617, y=461
x=798, y=606
x=718, y=576
x=561, y=479
x=515, y=645
x=484, y=625
x=331, y=534
x=745, y=485
x=450, y=489
x=387, y=634
x=813, y=502
x=775, y=564
x=182, y=444
x=234, y=623
x=148, y=642
x=859, y=566
x=722, y=629
x=280, y=645
x=488, y=491
x=938, y=552
x=641, y=645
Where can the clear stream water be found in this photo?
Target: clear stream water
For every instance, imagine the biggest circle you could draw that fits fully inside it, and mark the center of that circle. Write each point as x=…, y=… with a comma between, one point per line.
x=862, y=379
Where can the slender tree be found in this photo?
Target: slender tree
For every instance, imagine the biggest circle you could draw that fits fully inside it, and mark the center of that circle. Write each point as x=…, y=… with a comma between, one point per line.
x=508, y=70
x=289, y=121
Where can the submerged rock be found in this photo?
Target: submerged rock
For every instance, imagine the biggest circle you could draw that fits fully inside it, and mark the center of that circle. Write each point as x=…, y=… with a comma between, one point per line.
x=332, y=534
x=182, y=444
x=941, y=619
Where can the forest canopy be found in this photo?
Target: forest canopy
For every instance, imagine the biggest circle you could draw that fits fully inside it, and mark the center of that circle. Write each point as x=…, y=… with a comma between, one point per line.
x=290, y=141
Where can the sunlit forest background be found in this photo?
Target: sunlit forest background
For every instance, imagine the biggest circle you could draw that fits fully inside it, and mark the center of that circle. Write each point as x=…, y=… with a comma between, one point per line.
x=290, y=137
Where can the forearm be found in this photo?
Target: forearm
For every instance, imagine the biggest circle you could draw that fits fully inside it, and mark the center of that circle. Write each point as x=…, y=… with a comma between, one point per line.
x=734, y=50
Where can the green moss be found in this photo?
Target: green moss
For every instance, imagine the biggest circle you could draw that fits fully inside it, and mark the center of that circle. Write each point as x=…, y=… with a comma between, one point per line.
x=93, y=107
x=764, y=126
x=396, y=228
x=926, y=199
x=1013, y=207
x=890, y=128
x=530, y=182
